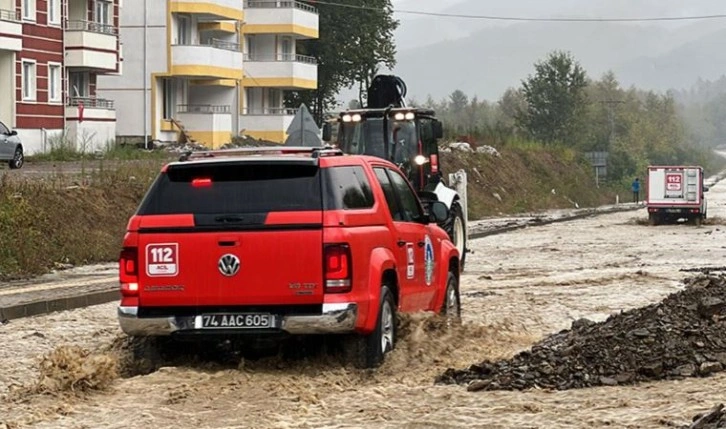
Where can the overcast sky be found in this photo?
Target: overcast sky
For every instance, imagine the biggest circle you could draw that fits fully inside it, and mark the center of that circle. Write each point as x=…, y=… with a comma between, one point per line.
x=484, y=57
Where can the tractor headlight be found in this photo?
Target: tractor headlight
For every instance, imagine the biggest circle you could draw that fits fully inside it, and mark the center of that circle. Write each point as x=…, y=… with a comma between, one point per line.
x=420, y=160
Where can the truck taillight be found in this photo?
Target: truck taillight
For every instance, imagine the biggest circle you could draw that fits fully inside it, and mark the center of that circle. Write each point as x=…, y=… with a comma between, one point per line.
x=129, y=271
x=338, y=269
x=434, y=164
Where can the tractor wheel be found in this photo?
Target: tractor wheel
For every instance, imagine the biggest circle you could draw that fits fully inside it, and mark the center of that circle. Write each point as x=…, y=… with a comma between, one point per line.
x=456, y=228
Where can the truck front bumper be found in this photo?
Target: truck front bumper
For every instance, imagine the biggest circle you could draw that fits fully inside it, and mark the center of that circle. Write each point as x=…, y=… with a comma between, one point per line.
x=334, y=319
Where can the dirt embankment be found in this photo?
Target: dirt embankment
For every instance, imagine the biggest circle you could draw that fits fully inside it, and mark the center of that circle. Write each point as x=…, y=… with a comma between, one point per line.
x=57, y=219
x=517, y=180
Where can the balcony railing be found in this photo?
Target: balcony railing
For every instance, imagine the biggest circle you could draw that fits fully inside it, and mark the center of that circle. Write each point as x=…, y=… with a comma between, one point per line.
x=10, y=15
x=215, y=43
x=91, y=102
x=279, y=4
x=202, y=108
x=289, y=58
x=271, y=111
x=91, y=26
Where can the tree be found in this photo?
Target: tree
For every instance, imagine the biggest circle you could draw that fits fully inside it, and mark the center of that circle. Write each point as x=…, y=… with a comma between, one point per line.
x=511, y=106
x=458, y=101
x=352, y=45
x=555, y=98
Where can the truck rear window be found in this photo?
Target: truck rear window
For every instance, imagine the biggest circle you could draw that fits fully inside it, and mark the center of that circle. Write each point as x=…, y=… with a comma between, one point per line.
x=347, y=188
x=235, y=188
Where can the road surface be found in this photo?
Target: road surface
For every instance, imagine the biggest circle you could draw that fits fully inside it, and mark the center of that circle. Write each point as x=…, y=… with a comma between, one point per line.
x=519, y=287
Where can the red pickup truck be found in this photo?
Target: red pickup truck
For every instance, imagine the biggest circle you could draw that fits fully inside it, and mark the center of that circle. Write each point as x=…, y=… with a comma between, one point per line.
x=290, y=241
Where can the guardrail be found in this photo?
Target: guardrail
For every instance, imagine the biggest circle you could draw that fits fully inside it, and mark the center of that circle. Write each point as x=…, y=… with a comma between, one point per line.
x=270, y=111
x=203, y=108
x=91, y=26
x=91, y=102
x=279, y=4
x=215, y=43
x=10, y=15
x=288, y=58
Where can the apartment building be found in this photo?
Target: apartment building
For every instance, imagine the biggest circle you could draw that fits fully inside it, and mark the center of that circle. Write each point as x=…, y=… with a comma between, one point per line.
x=207, y=70
x=51, y=54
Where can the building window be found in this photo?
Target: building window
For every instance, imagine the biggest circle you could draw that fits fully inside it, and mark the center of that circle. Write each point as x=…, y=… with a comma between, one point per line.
x=79, y=84
x=54, y=82
x=29, y=10
x=54, y=11
x=29, y=81
x=184, y=30
x=103, y=12
x=286, y=49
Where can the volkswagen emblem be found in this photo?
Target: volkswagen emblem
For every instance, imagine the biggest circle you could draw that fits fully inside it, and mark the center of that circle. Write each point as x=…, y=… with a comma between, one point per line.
x=228, y=265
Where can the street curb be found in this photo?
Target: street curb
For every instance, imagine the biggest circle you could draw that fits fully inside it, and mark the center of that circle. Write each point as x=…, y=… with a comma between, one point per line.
x=36, y=308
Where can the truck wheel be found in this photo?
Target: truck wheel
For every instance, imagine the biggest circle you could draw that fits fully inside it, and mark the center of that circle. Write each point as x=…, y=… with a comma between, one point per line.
x=698, y=220
x=18, y=159
x=452, y=304
x=653, y=219
x=456, y=228
x=368, y=351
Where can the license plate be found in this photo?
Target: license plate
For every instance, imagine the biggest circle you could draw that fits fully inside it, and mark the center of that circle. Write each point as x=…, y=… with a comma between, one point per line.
x=234, y=321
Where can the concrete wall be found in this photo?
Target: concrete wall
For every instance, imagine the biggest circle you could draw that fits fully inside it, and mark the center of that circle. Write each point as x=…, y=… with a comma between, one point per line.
x=277, y=16
x=127, y=90
x=93, y=57
x=7, y=88
x=37, y=141
x=211, y=94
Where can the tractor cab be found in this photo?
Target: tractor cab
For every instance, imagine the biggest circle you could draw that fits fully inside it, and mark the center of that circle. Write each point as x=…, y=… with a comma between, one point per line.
x=405, y=136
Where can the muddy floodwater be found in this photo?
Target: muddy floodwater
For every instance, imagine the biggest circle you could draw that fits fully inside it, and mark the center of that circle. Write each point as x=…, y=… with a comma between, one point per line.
x=518, y=288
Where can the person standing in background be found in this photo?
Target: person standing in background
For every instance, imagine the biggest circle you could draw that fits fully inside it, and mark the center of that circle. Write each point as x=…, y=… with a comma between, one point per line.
x=636, y=190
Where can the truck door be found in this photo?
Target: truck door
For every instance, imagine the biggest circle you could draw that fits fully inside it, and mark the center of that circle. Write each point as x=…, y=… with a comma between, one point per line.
x=412, y=241
x=674, y=183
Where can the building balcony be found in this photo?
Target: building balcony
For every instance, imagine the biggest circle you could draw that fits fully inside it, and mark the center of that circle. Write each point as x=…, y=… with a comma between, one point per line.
x=269, y=124
x=210, y=9
x=281, y=17
x=94, y=109
x=210, y=125
x=91, y=45
x=286, y=71
x=217, y=60
x=11, y=30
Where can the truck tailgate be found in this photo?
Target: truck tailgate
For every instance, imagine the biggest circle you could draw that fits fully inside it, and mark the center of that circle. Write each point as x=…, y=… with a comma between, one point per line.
x=232, y=233
x=231, y=268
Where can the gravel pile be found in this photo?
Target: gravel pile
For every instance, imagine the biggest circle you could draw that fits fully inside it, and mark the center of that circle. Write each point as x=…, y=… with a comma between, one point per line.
x=682, y=336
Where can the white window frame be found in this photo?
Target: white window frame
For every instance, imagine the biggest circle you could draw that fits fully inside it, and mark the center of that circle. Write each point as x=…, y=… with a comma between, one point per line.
x=85, y=84
x=29, y=7
x=105, y=16
x=184, y=30
x=55, y=81
x=29, y=84
x=54, y=12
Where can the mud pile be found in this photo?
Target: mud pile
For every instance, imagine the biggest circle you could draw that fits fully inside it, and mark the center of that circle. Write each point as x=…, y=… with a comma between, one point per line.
x=682, y=336
x=715, y=418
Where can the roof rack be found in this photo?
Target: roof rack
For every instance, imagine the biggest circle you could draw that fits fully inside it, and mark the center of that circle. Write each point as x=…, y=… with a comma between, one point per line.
x=315, y=152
